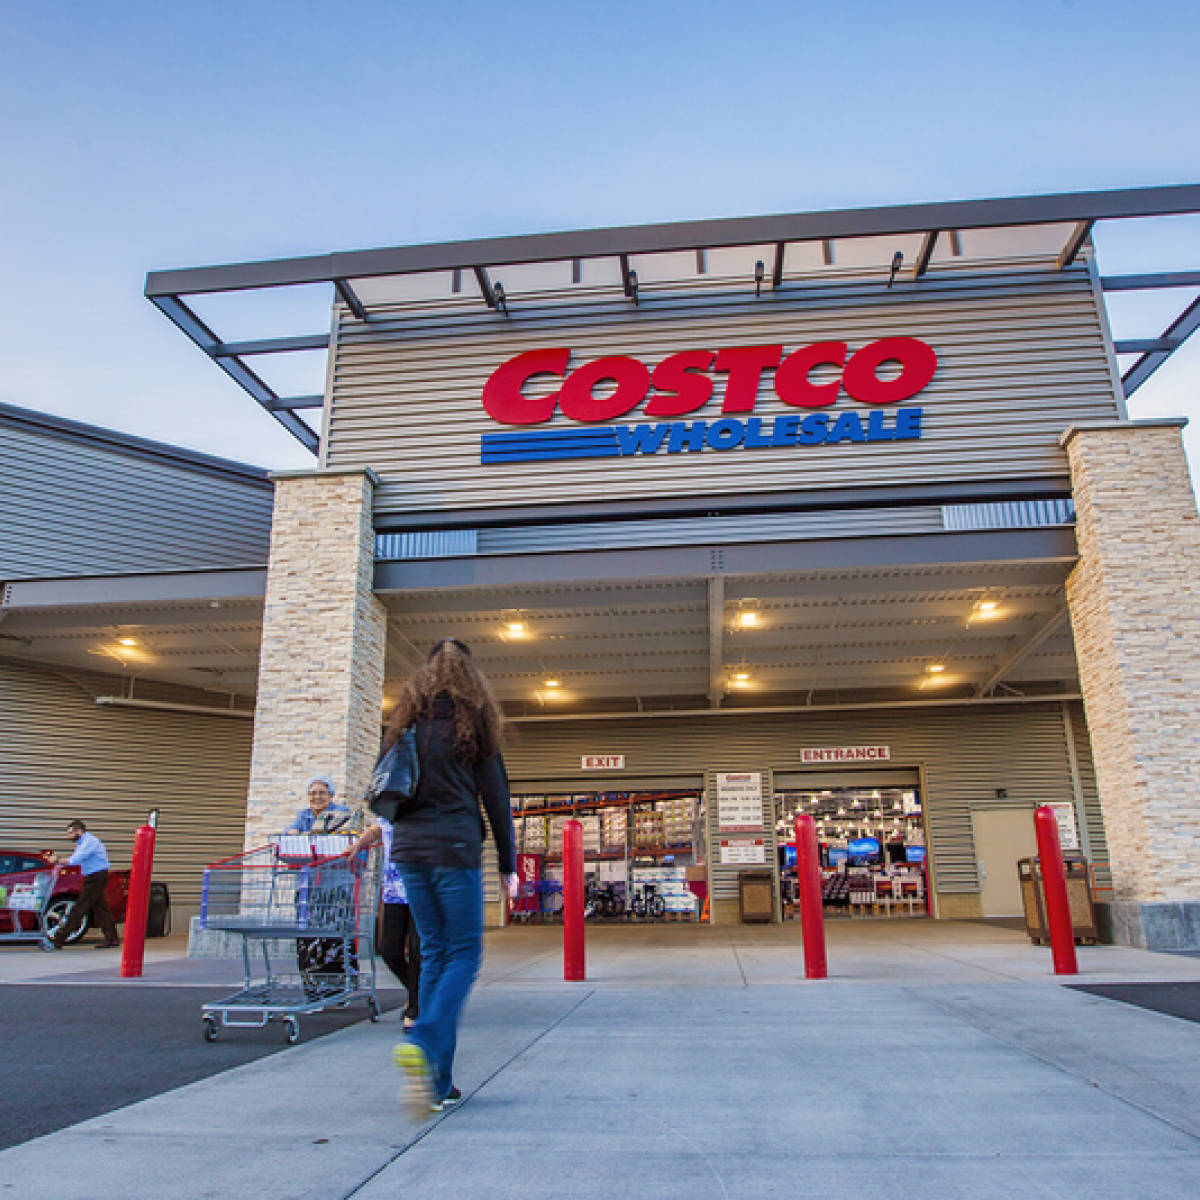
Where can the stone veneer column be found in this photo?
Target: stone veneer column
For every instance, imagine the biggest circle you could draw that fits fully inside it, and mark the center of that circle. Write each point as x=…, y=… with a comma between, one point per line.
x=321, y=665
x=1134, y=599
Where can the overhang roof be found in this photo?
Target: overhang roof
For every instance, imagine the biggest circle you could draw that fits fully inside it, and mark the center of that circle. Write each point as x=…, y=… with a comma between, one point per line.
x=908, y=242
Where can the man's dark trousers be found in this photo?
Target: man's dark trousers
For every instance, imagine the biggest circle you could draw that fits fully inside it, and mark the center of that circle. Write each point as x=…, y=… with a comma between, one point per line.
x=92, y=899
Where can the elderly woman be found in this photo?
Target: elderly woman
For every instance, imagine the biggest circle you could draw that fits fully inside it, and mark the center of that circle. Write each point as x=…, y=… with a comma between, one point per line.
x=321, y=815
x=322, y=961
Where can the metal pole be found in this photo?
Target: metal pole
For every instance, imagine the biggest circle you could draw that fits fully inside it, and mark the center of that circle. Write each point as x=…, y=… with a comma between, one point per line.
x=138, y=902
x=808, y=892
x=574, y=969
x=1054, y=888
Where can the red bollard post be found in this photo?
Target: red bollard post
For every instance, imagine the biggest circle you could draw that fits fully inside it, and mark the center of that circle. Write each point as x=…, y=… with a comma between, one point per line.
x=1054, y=888
x=808, y=891
x=133, y=948
x=573, y=954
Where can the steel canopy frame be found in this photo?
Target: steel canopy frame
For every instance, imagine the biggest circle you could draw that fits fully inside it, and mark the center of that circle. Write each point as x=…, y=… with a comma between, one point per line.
x=1082, y=210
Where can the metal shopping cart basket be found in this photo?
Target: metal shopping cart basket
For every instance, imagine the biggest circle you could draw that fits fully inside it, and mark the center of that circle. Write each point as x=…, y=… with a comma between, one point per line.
x=23, y=909
x=308, y=909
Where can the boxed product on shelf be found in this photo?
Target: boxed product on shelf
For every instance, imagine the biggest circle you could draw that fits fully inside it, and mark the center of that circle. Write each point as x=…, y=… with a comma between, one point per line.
x=532, y=834
x=530, y=801
x=613, y=827
x=647, y=829
x=613, y=872
x=591, y=832
x=554, y=828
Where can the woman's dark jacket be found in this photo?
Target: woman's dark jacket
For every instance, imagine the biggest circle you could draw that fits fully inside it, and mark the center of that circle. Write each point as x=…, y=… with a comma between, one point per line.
x=443, y=825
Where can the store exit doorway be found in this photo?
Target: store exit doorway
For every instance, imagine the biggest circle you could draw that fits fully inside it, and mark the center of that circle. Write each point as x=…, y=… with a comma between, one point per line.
x=871, y=840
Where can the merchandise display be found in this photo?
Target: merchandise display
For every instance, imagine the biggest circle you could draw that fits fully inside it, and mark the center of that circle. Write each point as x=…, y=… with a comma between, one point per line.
x=872, y=849
x=640, y=854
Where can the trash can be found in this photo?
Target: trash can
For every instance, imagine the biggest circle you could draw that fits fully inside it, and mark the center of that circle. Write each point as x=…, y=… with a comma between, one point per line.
x=158, y=911
x=1079, y=897
x=756, y=896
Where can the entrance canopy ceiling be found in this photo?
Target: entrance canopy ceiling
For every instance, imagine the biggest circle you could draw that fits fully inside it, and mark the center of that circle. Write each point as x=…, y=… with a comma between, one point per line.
x=774, y=638
x=904, y=246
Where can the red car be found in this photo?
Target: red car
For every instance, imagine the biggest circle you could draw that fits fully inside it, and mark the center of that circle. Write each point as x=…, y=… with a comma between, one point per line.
x=19, y=867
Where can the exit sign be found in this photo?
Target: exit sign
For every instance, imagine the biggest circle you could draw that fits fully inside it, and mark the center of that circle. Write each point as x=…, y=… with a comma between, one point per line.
x=604, y=762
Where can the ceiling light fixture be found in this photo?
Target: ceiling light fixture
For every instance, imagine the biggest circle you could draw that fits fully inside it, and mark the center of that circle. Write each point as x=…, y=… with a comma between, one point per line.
x=127, y=641
x=552, y=683
x=935, y=668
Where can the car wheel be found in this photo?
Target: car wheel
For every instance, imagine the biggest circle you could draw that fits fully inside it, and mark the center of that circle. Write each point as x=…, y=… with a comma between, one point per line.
x=56, y=914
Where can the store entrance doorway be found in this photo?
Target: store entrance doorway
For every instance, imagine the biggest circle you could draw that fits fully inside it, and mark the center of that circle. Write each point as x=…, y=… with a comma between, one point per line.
x=1002, y=836
x=871, y=839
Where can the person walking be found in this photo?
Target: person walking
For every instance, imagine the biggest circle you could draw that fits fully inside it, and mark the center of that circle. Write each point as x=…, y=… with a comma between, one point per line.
x=437, y=844
x=398, y=943
x=91, y=858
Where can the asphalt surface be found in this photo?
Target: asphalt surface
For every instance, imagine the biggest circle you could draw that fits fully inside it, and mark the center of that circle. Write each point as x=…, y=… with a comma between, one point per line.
x=72, y=1052
x=1172, y=999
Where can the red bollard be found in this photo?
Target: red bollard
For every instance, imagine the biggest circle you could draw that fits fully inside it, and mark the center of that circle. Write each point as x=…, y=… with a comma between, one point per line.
x=573, y=958
x=1054, y=888
x=137, y=903
x=808, y=892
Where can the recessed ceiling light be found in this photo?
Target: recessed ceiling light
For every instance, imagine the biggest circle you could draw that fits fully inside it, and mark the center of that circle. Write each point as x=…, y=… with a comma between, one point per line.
x=741, y=676
x=747, y=618
x=127, y=641
x=988, y=605
x=553, y=683
x=515, y=629
x=935, y=668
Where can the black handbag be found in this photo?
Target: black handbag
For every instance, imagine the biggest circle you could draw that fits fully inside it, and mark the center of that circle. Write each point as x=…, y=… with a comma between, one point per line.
x=395, y=778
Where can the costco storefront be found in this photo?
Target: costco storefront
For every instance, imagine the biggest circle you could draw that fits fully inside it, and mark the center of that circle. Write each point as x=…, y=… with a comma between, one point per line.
x=835, y=512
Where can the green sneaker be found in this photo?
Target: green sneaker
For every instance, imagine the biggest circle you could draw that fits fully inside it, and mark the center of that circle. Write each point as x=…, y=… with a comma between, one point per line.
x=417, y=1094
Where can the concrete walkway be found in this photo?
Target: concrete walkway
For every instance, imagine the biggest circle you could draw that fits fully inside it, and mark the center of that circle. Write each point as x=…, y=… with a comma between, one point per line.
x=939, y=1060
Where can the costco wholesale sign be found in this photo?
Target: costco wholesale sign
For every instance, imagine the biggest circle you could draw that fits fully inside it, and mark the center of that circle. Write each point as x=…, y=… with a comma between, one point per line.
x=685, y=383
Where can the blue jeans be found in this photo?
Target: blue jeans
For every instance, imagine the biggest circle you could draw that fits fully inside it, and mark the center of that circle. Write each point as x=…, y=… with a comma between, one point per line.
x=447, y=905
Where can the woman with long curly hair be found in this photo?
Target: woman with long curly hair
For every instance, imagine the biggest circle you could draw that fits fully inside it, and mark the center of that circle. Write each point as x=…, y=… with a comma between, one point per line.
x=437, y=844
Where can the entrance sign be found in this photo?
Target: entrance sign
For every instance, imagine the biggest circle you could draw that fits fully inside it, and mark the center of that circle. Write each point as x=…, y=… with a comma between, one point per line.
x=603, y=762
x=739, y=802
x=738, y=851
x=844, y=754
x=1068, y=830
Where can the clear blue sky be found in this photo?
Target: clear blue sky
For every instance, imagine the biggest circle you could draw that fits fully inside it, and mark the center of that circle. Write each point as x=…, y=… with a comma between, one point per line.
x=139, y=136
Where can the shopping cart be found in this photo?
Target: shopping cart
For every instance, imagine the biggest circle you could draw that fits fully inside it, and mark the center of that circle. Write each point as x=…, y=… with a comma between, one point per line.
x=23, y=909
x=309, y=910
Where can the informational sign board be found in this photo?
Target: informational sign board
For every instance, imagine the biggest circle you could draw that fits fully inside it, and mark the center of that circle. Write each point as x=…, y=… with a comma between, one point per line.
x=743, y=851
x=1068, y=830
x=845, y=754
x=603, y=762
x=739, y=802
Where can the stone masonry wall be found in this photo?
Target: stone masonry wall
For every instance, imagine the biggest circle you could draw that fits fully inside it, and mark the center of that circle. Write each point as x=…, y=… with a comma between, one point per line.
x=320, y=677
x=1135, y=609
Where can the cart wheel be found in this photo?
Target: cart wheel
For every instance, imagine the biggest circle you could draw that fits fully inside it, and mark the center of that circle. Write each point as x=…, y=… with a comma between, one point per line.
x=373, y=1008
x=210, y=1029
x=291, y=1030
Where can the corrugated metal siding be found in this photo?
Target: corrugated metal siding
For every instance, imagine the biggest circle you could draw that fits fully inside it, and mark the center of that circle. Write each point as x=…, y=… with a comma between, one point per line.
x=1097, y=842
x=62, y=756
x=72, y=508
x=1014, y=514
x=966, y=754
x=439, y=544
x=877, y=522
x=1021, y=356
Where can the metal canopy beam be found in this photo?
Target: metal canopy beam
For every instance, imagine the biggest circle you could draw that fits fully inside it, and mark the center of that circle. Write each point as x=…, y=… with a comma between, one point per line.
x=157, y=588
x=1026, y=648
x=185, y=319
x=283, y=345
x=1079, y=235
x=716, y=634
x=925, y=253
x=1176, y=334
x=763, y=558
x=291, y=403
x=1162, y=279
x=683, y=235
x=777, y=268
x=350, y=298
x=1145, y=345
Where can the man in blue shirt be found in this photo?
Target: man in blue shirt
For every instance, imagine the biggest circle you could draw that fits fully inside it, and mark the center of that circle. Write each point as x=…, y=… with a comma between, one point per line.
x=91, y=858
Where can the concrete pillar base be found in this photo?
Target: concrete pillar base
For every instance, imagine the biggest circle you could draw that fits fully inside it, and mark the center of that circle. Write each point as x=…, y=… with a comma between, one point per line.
x=1156, y=926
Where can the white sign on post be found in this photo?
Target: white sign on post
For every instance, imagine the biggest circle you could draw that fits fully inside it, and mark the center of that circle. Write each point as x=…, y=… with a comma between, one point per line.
x=738, y=851
x=1068, y=830
x=739, y=802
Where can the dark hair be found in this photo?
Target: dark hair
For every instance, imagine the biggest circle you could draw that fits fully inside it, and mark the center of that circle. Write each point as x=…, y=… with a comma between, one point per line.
x=449, y=671
x=77, y=824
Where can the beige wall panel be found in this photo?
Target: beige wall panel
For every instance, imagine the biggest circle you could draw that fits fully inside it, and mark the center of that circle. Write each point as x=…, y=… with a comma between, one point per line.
x=63, y=756
x=1020, y=358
